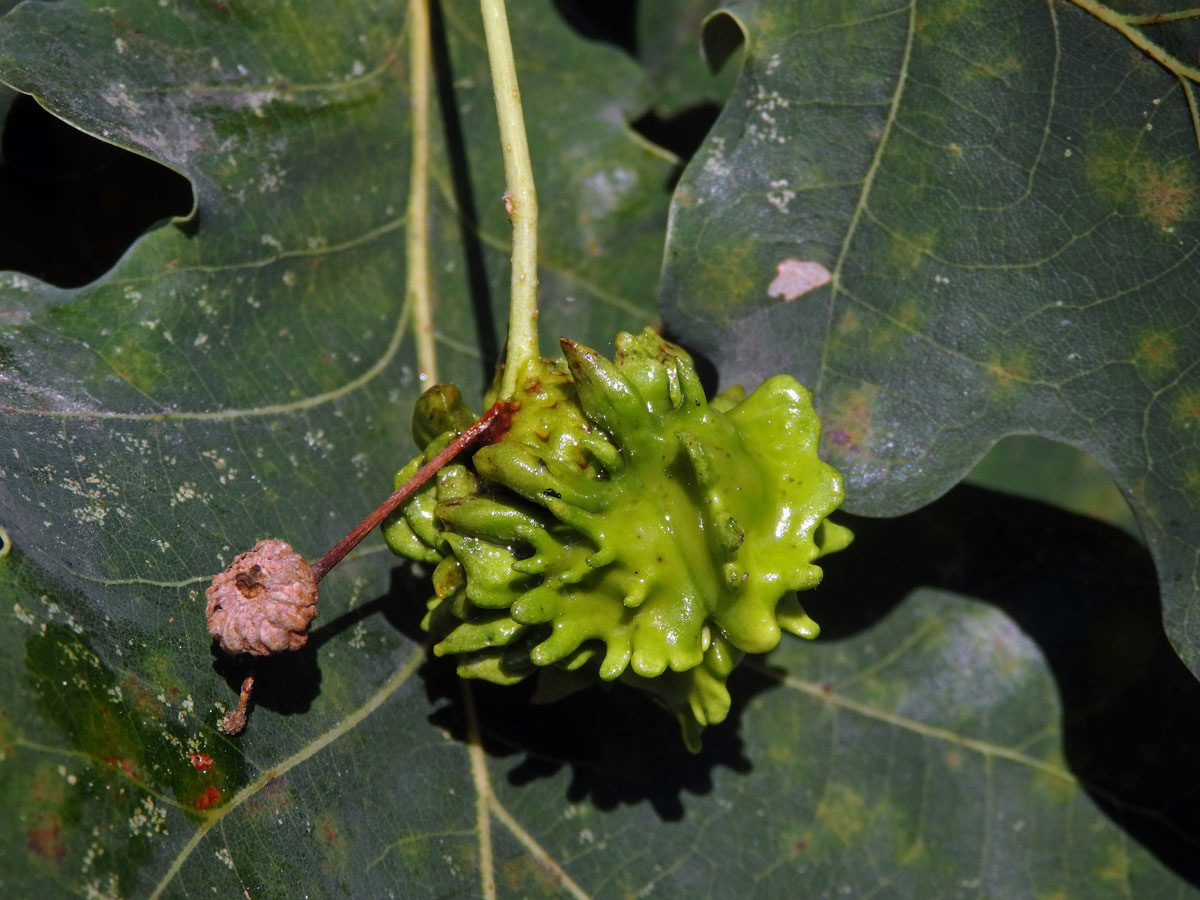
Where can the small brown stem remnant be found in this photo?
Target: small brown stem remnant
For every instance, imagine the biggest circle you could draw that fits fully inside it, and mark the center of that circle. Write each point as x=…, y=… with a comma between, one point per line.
x=264, y=601
x=234, y=722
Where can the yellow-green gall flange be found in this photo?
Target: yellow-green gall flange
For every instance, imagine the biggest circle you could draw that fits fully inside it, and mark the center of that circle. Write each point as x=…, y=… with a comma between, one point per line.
x=624, y=527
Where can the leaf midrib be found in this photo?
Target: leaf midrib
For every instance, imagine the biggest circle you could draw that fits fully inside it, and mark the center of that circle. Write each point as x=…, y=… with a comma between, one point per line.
x=868, y=181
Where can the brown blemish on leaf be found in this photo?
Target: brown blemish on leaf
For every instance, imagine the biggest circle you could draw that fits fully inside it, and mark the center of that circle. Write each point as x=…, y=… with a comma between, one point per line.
x=848, y=422
x=201, y=762
x=272, y=802
x=144, y=700
x=905, y=321
x=1191, y=482
x=1116, y=866
x=5, y=739
x=947, y=14
x=524, y=874
x=800, y=844
x=47, y=790
x=334, y=846
x=1163, y=193
x=725, y=271
x=914, y=851
x=1156, y=351
x=125, y=766
x=998, y=69
x=209, y=797
x=45, y=838
x=1186, y=409
x=1106, y=163
x=846, y=324
x=906, y=251
x=841, y=811
x=326, y=829
x=794, y=277
x=841, y=438
x=1008, y=371
x=1054, y=788
x=13, y=315
x=909, y=315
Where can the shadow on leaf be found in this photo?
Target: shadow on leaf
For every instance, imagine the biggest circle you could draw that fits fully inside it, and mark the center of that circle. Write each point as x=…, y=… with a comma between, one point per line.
x=464, y=193
x=1084, y=591
x=620, y=747
x=1087, y=594
x=288, y=683
x=75, y=204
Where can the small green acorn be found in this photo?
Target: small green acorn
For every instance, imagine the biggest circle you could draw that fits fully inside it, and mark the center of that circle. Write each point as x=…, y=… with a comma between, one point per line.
x=624, y=527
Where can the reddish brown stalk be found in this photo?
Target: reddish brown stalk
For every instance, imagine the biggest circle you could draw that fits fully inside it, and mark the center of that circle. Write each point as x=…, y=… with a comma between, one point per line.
x=235, y=722
x=492, y=423
x=264, y=601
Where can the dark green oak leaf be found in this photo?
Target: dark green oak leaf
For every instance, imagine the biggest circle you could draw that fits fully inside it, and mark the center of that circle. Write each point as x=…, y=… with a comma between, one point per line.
x=251, y=373
x=669, y=34
x=959, y=221
x=924, y=748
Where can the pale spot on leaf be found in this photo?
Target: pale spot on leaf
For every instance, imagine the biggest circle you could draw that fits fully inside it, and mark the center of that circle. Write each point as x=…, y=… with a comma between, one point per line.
x=794, y=277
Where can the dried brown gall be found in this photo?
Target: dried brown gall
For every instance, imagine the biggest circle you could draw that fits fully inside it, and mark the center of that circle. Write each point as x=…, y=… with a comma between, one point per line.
x=263, y=602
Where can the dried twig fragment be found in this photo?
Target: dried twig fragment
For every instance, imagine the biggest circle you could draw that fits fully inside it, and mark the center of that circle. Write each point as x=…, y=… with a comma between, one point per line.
x=235, y=722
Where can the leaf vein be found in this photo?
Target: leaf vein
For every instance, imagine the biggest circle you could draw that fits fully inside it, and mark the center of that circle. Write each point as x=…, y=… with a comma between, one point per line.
x=868, y=181
x=302, y=404
x=352, y=721
x=985, y=748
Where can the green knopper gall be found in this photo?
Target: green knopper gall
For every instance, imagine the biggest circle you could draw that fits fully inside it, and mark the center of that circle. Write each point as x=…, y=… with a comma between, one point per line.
x=623, y=528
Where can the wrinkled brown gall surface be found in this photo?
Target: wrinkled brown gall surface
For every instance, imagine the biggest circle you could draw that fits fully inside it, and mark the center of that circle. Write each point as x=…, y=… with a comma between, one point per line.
x=263, y=602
